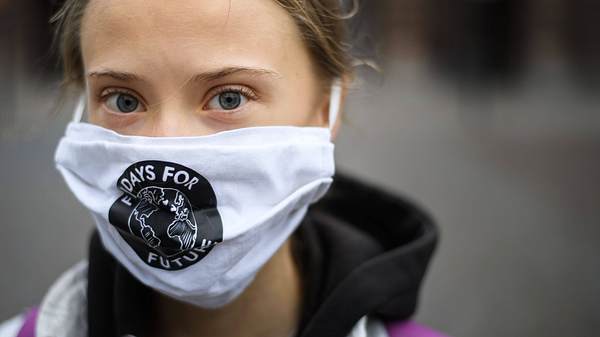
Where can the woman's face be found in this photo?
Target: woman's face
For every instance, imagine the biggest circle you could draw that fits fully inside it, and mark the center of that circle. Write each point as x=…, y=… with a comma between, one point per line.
x=196, y=67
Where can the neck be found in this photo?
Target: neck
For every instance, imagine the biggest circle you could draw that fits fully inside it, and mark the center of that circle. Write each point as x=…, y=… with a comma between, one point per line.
x=269, y=307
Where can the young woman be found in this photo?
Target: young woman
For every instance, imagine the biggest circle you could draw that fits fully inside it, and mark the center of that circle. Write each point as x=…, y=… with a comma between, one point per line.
x=207, y=144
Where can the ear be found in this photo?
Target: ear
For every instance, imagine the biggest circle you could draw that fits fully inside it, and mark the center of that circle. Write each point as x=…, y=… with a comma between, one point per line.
x=344, y=83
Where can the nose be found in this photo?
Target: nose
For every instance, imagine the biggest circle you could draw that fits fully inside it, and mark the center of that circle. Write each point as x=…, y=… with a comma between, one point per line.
x=175, y=120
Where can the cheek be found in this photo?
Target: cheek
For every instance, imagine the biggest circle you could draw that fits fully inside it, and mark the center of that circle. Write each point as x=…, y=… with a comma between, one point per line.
x=295, y=111
x=305, y=108
x=92, y=111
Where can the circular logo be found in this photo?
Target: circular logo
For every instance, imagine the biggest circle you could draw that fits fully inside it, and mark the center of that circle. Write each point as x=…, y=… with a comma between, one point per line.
x=167, y=214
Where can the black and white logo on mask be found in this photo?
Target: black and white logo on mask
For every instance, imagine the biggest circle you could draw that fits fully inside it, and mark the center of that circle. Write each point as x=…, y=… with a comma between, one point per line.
x=167, y=214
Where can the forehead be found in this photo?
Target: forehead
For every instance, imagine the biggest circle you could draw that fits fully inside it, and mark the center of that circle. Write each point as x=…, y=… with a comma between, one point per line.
x=189, y=35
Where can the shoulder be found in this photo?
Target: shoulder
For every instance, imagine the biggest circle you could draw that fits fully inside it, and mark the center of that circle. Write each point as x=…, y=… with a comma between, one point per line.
x=373, y=327
x=11, y=327
x=62, y=312
x=369, y=327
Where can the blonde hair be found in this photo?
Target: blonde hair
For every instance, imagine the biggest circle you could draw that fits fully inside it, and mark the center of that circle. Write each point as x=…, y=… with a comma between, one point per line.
x=321, y=23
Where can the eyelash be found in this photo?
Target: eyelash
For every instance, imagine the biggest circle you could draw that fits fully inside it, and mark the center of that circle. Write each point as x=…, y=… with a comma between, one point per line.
x=106, y=93
x=247, y=92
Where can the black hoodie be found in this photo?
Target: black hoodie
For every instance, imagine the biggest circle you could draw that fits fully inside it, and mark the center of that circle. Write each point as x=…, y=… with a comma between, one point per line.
x=361, y=251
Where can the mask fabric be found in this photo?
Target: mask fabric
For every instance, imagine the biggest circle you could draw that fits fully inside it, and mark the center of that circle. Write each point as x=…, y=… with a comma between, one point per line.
x=195, y=218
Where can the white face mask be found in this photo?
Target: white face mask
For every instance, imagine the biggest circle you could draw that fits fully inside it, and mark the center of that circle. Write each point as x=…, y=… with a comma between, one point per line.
x=196, y=217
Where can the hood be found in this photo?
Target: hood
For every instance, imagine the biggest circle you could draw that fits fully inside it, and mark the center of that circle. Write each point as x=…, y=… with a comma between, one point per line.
x=362, y=251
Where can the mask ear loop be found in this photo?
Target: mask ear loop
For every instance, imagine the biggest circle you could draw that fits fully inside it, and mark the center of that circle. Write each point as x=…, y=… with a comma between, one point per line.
x=335, y=99
x=78, y=113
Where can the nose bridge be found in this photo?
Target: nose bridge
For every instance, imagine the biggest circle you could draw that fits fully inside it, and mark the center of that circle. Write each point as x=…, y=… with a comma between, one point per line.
x=172, y=118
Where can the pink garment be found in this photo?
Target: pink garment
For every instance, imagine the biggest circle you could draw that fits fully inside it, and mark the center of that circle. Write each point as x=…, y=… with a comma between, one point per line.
x=28, y=328
x=411, y=329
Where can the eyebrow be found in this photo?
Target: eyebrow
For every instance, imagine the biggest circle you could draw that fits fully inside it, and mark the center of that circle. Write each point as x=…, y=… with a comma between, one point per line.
x=205, y=76
x=228, y=71
x=117, y=75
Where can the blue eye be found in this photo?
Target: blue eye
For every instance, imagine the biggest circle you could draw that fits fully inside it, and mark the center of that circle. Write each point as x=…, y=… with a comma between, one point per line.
x=122, y=102
x=227, y=100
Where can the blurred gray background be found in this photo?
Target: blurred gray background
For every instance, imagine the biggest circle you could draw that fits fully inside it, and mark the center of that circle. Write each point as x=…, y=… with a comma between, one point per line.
x=487, y=113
